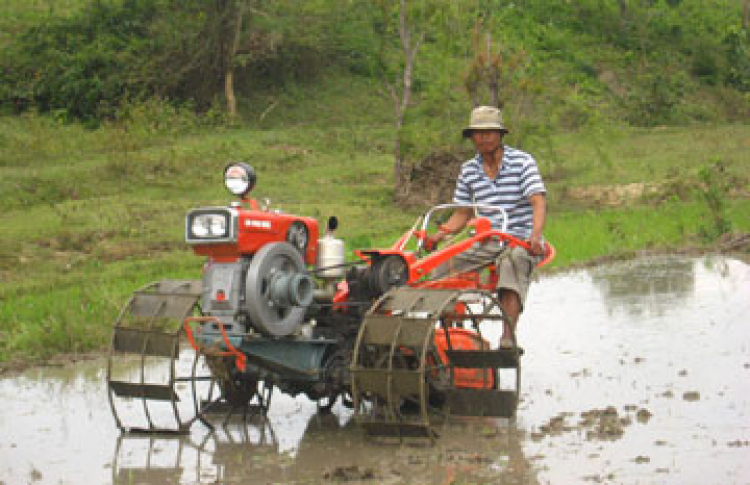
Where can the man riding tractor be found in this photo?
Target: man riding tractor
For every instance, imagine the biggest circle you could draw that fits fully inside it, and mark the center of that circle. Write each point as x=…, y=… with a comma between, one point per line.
x=508, y=178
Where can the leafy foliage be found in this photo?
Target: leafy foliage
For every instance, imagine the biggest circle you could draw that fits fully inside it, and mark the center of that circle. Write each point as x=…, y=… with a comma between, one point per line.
x=74, y=64
x=84, y=65
x=566, y=63
x=737, y=43
x=713, y=190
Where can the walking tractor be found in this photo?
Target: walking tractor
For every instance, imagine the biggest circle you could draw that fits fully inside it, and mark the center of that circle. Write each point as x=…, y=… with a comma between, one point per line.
x=280, y=308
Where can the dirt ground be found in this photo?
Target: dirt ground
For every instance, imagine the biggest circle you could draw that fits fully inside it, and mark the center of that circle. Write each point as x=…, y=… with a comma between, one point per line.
x=432, y=181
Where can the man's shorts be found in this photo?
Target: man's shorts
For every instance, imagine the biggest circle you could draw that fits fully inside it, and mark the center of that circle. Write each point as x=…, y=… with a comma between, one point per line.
x=514, y=272
x=514, y=266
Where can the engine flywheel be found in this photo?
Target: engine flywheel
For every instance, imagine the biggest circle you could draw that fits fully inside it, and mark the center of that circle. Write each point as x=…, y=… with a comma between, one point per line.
x=277, y=289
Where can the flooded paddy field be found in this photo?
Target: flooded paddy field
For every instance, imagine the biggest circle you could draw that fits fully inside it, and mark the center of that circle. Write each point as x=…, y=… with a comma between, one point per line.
x=634, y=372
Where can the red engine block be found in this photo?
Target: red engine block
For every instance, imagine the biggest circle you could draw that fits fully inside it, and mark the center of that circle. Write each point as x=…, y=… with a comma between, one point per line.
x=256, y=228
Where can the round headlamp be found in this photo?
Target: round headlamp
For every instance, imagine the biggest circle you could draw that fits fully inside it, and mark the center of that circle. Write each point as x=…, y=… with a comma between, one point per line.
x=239, y=178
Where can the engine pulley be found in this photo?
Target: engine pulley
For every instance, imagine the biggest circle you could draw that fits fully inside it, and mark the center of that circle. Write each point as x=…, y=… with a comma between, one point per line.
x=277, y=289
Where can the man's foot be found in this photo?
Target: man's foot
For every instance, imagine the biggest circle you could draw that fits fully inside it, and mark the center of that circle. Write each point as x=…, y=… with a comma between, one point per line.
x=505, y=343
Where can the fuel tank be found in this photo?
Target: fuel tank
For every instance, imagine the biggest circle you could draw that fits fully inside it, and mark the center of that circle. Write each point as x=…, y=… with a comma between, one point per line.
x=331, y=258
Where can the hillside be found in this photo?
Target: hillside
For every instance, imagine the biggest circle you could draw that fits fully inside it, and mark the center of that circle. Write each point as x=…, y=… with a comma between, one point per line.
x=640, y=146
x=559, y=64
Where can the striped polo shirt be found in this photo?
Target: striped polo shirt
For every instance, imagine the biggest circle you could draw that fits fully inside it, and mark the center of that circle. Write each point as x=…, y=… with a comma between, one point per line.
x=516, y=181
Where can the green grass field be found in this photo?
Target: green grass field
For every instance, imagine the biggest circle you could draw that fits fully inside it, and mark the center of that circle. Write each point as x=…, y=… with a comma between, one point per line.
x=89, y=216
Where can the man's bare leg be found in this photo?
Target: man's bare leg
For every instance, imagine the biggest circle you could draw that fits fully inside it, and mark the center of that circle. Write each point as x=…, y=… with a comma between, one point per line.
x=512, y=308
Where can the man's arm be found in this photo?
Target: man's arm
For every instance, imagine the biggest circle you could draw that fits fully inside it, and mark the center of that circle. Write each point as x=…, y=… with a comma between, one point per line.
x=539, y=206
x=455, y=223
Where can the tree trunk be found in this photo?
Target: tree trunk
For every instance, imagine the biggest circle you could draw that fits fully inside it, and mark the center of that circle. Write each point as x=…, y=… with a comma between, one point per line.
x=410, y=54
x=230, y=60
x=623, y=6
x=493, y=72
x=229, y=92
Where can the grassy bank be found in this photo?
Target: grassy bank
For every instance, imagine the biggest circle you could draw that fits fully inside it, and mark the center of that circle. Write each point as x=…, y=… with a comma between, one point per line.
x=89, y=216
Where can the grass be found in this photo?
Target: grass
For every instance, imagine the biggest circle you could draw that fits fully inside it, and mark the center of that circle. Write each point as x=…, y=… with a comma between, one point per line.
x=89, y=216
x=628, y=155
x=585, y=235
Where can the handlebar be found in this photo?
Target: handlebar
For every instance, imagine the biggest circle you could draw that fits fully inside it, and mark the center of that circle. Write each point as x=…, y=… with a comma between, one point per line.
x=476, y=207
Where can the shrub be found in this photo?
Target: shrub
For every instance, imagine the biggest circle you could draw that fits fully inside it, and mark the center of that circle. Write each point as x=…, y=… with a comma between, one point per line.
x=737, y=43
x=714, y=185
x=75, y=65
x=654, y=97
x=111, y=51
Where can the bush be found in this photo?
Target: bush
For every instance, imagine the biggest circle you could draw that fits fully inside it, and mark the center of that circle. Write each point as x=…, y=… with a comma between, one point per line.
x=76, y=65
x=113, y=51
x=737, y=43
x=715, y=183
x=157, y=117
x=85, y=63
x=654, y=98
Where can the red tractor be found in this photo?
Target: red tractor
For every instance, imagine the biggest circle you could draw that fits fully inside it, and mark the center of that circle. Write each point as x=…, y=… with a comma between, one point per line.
x=279, y=307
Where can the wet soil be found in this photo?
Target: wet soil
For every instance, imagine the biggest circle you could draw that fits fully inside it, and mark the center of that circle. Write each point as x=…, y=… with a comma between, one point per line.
x=634, y=372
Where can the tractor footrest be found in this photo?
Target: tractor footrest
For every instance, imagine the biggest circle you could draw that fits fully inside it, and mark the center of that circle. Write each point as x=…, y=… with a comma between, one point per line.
x=482, y=402
x=399, y=429
x=157, y=392
x=384, y=382
x=484, y=359
x=222, y=407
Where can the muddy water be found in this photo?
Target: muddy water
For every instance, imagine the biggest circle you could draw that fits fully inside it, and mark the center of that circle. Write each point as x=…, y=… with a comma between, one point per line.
x=637, y=372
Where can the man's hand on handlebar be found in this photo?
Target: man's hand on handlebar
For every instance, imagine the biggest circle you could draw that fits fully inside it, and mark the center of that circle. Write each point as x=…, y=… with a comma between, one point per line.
x=431, y=242
x=536, y=247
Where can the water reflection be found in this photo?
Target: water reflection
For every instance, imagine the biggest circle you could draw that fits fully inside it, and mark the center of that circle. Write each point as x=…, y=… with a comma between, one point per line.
x=645, y=287
x=200, y=457
x=330, y=447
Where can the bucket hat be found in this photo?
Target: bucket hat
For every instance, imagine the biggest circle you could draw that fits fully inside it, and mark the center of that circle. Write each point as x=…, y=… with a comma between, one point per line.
x=485, y=118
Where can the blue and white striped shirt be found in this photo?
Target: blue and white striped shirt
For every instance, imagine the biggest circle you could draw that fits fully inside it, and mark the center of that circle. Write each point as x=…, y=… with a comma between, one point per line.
x=516, y=181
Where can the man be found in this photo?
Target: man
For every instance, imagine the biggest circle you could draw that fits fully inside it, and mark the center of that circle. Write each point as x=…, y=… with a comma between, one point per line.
x=507, y=178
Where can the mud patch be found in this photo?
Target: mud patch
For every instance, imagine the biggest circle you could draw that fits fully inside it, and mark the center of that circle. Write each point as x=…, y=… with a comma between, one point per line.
x=350, y=473
x=596, y=424
x=691, y=396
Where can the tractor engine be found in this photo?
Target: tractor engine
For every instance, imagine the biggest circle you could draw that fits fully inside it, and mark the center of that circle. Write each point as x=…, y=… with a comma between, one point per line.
x=256, y=279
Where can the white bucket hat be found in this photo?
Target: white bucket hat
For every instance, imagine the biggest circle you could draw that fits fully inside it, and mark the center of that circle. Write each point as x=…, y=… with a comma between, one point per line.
x=485, y=118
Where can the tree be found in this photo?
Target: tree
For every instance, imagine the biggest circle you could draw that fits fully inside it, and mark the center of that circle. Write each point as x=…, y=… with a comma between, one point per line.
x=230, y=32
x=412, y=25
x=489, y=70
x=411, y=39
x=223, y=44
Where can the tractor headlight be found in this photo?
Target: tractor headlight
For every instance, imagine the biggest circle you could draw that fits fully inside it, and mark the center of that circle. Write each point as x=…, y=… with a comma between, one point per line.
x=239, y=178
x=210, y=225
